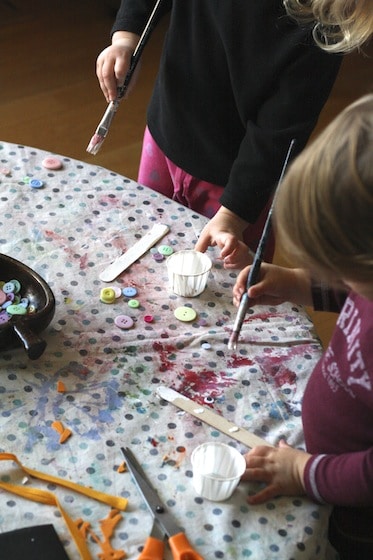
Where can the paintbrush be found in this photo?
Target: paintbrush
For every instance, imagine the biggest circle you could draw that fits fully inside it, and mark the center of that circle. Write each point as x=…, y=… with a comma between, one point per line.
x=104, y=125
x=253, y=276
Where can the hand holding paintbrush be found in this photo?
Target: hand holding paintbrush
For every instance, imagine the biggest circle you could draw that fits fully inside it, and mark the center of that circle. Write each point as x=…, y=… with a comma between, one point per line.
x=255, y=267
x=104, y=125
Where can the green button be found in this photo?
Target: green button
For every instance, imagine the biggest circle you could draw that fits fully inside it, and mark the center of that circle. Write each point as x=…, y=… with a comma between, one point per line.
x=134, y=303
x=185, y=314
x=16, y=310
x=165, y=250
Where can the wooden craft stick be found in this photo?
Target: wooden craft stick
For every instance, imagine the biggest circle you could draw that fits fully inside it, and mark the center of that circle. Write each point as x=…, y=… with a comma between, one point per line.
x=212, y=418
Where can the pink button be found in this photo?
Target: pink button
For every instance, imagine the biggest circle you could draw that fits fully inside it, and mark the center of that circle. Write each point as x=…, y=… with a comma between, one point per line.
x=123, y=322
x=148, y=318
x=52, y=163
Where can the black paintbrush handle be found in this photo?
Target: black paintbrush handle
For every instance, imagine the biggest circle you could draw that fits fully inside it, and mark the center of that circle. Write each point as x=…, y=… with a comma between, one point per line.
x=138, y=50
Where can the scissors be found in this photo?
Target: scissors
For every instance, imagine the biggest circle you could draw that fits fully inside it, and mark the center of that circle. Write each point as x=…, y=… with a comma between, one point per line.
x=163, y=525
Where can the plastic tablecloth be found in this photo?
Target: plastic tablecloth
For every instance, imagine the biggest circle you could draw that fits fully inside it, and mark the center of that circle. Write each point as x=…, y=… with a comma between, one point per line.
x=69, y=231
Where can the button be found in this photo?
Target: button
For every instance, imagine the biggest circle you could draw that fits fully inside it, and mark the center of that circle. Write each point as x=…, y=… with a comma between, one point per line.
x=134, y=303
x=148, y=318
x=158, y=257
x=52, y=163
x=107, y=295
x=123, y=322
x=17, y=286
x=36, y=184
x=129, y=291
x=185, y=314
x=4, y=317
x=117, y=291
x=16, y=310
x=9, y=288
x=2, y=297
x=165, y=250
x=24, y=302
x=205, y=345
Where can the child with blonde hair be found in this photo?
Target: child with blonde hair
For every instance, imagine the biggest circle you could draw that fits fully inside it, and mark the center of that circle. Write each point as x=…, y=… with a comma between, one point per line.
x=324, y=217
x=338, y=25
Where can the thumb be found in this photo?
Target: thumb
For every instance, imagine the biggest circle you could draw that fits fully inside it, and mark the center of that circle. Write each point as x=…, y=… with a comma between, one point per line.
x=283, y=443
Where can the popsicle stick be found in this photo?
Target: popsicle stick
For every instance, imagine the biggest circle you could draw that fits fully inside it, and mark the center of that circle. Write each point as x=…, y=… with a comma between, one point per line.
x=212, y=418
x=134, y=253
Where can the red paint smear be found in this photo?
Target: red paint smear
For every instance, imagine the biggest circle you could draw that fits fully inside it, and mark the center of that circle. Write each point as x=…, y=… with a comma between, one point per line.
x=164, y=351
x=274, y=366
x=201, y=384
x=239, y=361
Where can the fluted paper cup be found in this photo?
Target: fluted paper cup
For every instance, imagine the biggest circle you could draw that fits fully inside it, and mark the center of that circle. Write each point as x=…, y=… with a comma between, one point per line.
x=217, y=469
x=188, y=272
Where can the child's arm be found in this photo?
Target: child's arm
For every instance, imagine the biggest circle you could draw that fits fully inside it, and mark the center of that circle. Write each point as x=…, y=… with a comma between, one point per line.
x=277, y=284
x=345, y=479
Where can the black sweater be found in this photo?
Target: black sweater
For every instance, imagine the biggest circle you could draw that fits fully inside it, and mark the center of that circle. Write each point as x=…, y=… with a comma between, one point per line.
x=237, y=81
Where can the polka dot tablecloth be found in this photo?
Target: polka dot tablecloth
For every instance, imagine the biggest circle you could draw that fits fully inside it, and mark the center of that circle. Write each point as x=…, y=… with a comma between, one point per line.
x=69, y=230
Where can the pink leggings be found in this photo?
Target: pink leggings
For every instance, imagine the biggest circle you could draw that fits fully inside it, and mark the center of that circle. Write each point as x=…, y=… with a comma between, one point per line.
x=157, y=172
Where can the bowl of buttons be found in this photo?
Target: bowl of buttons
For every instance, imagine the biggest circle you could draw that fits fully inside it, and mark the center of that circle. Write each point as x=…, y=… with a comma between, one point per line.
x=27, y=306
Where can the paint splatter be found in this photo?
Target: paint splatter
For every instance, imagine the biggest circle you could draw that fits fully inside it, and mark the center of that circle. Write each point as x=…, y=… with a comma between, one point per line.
x=202, y=384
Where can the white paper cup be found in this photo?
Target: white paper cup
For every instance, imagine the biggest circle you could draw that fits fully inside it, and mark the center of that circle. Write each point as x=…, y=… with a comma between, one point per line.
x=188, y=272
x=217, y=469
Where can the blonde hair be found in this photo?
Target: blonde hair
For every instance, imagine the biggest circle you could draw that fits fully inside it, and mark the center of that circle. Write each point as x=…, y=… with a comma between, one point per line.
x=339, y=25
x=324, y=207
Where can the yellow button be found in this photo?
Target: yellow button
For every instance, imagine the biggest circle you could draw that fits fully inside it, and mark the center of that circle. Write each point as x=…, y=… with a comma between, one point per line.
x=185, y=314
x=107, y=295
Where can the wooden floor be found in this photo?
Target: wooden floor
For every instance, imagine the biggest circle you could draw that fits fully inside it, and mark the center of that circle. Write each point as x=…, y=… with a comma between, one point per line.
x=50, y=99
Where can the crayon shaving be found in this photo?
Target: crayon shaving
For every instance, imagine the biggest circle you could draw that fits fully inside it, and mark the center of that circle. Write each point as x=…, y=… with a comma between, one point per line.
x=122, y=467
x=107, y=529
x=61, y=388
x=176, y=459
x=65, y=433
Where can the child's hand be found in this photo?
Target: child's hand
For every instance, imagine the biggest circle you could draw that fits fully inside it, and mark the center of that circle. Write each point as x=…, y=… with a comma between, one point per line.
x=113, y=63
x=276, y=285
x=225, y=231
x=280, y=468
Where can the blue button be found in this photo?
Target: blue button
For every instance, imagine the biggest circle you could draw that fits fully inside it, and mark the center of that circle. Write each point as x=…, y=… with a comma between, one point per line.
x=36, y=184
x=129, y=291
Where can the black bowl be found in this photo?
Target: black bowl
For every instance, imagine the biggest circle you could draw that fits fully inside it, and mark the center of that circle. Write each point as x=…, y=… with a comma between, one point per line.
x=22, y=330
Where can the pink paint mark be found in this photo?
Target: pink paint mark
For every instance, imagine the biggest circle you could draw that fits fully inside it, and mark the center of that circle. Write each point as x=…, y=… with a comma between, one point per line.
x=66, y=246
x=109, y=200
x=119, y=243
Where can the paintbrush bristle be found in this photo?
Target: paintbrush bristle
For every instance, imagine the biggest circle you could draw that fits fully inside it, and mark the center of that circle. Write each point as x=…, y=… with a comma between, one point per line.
x=232, y=342
x=95, y=144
